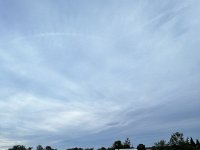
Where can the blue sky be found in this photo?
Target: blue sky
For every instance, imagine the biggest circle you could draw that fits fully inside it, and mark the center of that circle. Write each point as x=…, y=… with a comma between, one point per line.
x=87, y=73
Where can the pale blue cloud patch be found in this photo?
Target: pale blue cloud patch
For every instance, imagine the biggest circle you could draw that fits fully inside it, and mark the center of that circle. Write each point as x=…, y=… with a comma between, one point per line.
x=77, y=73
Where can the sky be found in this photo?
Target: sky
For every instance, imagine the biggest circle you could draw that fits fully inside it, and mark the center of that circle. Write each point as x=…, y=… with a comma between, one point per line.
x=88, y=73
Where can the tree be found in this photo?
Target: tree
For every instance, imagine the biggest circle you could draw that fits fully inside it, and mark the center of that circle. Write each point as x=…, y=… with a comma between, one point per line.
x=102, y=148
x=176, y=139
x=127, y=143
x=141, y=147
x=109, y=148
x=89, y=148
x=187, y=140
x=197, y=144
x=160, y=145
x=192, y=142
x=18, y=147
x=117, y=145
x=48, y=148
x=39, y=147
x=76, y=148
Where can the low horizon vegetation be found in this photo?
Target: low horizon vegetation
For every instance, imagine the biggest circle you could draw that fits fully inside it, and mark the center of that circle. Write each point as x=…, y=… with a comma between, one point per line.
x=176, y=142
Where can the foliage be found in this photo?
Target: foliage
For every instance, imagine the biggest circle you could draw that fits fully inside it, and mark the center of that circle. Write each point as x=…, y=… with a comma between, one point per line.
x=160, y=145
x=127, y=143
x=18, y=147
x=192, y=142
x=76, y=148
x=176, y=139
x=48, y=148
x=117, y=145
x=176, y=142
x=39, y=147
x=141, y=147
x=102, y=148
x=89, y=148
x=197, y=142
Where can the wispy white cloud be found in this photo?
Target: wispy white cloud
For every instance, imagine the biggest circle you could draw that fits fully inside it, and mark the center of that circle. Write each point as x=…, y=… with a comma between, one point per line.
x=6, y=143
x=28, y=116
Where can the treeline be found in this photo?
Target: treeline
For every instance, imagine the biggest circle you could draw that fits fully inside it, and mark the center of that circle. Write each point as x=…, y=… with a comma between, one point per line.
x=176, y=142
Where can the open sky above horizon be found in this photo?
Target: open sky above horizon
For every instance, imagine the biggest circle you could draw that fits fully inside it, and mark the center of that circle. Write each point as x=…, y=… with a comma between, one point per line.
x=87, y=73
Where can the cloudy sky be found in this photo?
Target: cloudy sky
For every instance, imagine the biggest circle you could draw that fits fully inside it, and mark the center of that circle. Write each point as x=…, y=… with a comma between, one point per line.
x=87, y=73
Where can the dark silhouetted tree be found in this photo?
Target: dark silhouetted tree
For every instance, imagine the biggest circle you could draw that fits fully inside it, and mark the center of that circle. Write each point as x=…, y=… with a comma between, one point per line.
x=18, y=147
x=141, y=147
x=48, y=148
x=29, y=148
x=117, y=145
x=39, y=147
x=176, y=139
x=160, y=145
x=76, y=148
x=102, y=148
x=89, y=148
x=192, y=142
x=127, y=143
x=187, y=140
x=197, y=144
